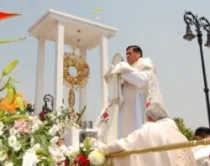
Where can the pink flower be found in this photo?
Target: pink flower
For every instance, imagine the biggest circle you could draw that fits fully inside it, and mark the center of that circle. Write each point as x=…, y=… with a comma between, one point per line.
x=22, y=126
x=35, y=120
x=147, y=104
x=105, y=115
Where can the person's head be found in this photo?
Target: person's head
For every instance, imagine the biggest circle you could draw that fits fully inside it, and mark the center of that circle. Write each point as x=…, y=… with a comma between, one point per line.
x=156, y=113
x=133, y=53
x=202, y=133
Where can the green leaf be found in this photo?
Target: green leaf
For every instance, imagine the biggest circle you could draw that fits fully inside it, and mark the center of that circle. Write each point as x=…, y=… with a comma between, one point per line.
x=187, y=132
x=20, y=103
x=87, y=144
x=11, y=95
x=42, y=152
x=10, y=67
x=18, y=117
x=2, y=113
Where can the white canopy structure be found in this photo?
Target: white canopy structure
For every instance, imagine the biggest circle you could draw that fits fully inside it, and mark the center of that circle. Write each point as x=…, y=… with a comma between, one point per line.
x=62, y=29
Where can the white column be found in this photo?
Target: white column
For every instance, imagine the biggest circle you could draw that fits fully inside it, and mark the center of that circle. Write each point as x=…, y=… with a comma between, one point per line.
x=58, y=82
x=39, y=75
x=104, y=67
x=83, y=91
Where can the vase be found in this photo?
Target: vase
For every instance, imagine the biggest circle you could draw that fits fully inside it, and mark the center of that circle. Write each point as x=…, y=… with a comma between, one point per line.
x=87, y=131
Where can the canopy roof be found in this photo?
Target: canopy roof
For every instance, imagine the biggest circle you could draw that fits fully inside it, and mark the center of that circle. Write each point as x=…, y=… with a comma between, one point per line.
x=89, y=35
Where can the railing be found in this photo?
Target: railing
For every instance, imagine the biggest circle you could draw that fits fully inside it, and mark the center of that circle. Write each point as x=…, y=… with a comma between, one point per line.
x=175, y=146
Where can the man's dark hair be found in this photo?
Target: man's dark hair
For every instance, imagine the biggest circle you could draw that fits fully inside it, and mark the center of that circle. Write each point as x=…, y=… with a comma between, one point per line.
x=135, y=49
x=202, y=131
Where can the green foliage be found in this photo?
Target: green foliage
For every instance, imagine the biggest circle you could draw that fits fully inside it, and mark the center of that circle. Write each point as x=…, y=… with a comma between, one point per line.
x=183, y=129
x=10, y=83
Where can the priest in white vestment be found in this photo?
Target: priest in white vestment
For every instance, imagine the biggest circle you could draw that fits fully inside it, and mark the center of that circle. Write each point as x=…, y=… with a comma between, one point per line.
x=202, y=153
x=159, y=130
x=139, y=92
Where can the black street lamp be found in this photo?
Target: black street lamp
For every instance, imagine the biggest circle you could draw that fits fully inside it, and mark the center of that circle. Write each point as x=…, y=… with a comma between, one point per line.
x=199, y=23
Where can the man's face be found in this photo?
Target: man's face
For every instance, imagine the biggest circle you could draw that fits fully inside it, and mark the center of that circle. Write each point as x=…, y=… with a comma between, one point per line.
x=198, y=138
x=132, y=56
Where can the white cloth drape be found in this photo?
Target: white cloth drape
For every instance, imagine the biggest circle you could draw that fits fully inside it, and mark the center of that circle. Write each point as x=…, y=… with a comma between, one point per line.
x=202, y=155
x=108, y=126
x=149, y=135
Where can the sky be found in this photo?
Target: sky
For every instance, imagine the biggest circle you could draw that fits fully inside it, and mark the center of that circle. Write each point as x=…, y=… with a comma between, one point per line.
x=156, y=26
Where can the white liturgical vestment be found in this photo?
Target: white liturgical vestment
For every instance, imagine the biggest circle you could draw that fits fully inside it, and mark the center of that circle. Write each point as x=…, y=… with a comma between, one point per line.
x=149, y=135
x=140, y=92
x=132, y=90
x=202, y=155
x=107, y=123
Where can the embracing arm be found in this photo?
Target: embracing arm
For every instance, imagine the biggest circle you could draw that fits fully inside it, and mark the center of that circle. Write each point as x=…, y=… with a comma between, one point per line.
x=138, y=79
x=128, y=143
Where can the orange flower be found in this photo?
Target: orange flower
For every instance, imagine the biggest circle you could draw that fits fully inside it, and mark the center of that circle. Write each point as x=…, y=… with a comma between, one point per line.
x=5, y=106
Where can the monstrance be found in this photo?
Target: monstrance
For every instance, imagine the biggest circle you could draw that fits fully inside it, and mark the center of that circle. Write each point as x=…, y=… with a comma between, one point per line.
x=75, y=75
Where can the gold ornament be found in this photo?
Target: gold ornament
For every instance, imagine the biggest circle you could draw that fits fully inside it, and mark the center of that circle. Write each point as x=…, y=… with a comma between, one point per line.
x=82, y=68
x=71, y=99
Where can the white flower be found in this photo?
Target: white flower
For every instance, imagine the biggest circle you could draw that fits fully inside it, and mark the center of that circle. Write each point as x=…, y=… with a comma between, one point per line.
x=57, y=155
x=96, y=157
x=36, y=146
x=59, y=113
x=35, y=120
x=57, y=121
x=66, y=119
x=1, y=126
x=30, y=158
x=54, y=140
x=53, y=117
x=35, y=127
x=9, y=164
x=1, y=132
x=17, y=146
x=3, y=155
x=72, y=152
x=12, y=140
x=18, y=135
x=32, y=141
x=12, y=131
x=63, y=149
x=54, y=130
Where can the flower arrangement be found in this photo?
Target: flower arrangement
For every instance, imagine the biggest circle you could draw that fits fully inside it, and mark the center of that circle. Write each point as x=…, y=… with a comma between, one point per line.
x=30, y=140
x=27, y=140
x=86, y=155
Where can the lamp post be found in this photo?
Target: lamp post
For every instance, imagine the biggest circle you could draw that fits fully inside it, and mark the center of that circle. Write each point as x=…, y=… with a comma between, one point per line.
x=200, y=23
